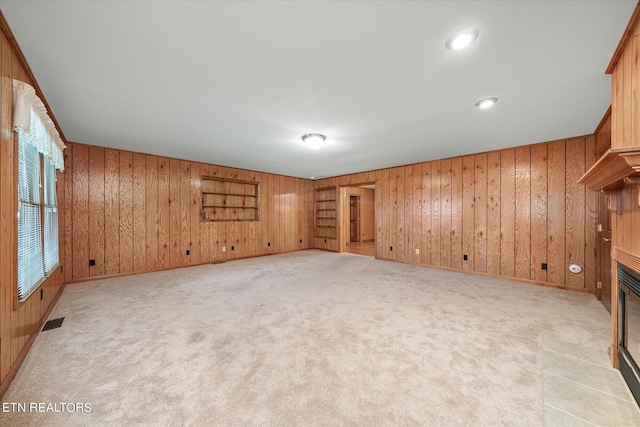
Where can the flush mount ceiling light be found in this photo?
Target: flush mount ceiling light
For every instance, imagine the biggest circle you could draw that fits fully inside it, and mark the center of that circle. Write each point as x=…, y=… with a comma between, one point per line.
x=486, y=103
x=313, y=140
x=461, y=38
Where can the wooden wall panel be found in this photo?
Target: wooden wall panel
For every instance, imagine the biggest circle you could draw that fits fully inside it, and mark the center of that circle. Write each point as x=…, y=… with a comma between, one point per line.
x=151, y=212
x=456, y=213
x=445, y=211
x=507, y=212
x=591, y=217
x=480, y=203
x=112, y=211
x=96, y=210
x=125, y=199
x=538, y=212
x=493, y=213
x=425, y=257
x=468, y=212
x=80, y=214
x=139, y=215
x=556, y=213
x=575, y=211
x=20, y=322
x=523, y=213
x=163, y=213
x=156, y=201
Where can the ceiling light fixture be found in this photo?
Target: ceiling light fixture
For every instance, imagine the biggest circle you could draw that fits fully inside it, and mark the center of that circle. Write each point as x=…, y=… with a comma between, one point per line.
x=461, y=38
x=313, y=140
x=486, y=103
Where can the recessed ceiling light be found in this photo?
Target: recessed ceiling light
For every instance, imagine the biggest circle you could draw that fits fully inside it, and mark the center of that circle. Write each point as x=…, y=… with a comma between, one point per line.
x=313, y=140
x=486, y=103
x=461, y=38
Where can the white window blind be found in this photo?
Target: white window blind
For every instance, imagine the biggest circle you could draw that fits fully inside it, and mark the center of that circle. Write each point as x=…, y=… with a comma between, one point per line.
x=39, y=155
x=50, y=218
x=30, y=250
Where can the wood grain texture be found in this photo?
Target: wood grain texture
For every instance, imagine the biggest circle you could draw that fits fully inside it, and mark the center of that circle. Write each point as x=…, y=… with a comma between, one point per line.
x=125, y=199
x=175, y=213
x=445, y=211
x=416, y=211
x=507, y=212
x=575, y=211
x=456, y=212
x=426, y=213
x=538, y=212
x=151, y=211
x=185, y=212
x=96, y=210
x=385, y=242
x=523, y=213
x=139, y=215
x=468, y=212
x=556, y=213
x=80, y=215
x=398, y=247
x=591, y=219
x=409, y=246
x=163, y=221
x=112, y=211
x=436, y=215
x=480, y=202
x=493, y=213
x=68, y=219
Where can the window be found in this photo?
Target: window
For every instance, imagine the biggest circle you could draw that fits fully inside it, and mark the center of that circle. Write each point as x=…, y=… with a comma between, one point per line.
x=39, y=155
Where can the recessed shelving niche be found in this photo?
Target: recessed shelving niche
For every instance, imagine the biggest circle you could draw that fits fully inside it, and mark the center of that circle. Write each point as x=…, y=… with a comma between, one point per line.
x=325, y=213
x=229, y=200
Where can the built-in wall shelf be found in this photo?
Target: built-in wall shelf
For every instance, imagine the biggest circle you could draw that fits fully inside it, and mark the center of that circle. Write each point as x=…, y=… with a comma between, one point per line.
x=226, y=199
x=617, y=167
x=326, y=218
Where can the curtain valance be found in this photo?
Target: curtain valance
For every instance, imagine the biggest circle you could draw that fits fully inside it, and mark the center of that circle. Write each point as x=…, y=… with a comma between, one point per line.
x=30, y=117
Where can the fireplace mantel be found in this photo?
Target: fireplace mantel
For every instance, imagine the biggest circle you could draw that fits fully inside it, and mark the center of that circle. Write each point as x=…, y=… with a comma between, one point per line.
x=616, y=168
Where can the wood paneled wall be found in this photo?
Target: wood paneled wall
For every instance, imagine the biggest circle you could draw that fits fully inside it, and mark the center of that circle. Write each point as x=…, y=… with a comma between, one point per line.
x=19, y=322
x=507, y=212
x=625, y=91
x=132, y=212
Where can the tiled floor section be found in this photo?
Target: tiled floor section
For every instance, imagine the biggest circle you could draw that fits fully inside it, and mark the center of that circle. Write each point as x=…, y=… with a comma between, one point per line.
x=582, y=389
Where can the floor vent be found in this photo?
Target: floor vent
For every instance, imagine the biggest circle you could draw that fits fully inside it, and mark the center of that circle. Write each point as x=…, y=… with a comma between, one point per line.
x=52, y=324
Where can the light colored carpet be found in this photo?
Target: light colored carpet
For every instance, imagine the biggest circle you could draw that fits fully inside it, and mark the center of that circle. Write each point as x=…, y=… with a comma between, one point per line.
x=309, y=338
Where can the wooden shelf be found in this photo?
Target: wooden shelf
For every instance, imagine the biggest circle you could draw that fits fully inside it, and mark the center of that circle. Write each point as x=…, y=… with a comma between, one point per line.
x=611, y=170
x=325, y=204
x=228, y=194
x=246, y=200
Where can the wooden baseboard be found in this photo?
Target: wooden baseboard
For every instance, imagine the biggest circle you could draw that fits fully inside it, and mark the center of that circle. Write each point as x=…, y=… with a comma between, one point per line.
x=135, y=273
x=16, y=366
x=494, y=276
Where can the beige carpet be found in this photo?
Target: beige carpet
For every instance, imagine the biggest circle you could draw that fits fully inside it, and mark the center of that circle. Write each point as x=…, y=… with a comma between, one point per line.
x=304, y=339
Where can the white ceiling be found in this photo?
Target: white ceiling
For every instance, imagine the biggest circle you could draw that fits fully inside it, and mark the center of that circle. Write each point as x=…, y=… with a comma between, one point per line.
x=238, y=83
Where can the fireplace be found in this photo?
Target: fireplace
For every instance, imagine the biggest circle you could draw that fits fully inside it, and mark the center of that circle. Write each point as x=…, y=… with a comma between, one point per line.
x=629, y=327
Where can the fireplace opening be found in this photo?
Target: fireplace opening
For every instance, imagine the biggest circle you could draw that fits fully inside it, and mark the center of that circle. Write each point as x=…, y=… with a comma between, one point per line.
x=629, y=328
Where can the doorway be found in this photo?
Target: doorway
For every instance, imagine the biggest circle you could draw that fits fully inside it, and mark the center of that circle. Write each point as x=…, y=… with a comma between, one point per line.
x=354, y=219
x=357, y=219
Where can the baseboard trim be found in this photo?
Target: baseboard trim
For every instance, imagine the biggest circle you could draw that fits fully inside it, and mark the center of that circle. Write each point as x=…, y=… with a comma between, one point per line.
x=23, y=353
x=495, y=276
x=221, y=261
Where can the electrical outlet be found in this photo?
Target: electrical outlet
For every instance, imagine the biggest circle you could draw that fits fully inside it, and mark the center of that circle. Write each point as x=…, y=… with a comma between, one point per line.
x=390, y=248
x=600, y=227
x=224, y=249
x=233, y=248
x=325, y=240
x=544, y=265
x=465, y=257
x=92, y=262
x=599, y=285
x=268, y=243
x=300, y=240
x=188, y=252
x=417, y=251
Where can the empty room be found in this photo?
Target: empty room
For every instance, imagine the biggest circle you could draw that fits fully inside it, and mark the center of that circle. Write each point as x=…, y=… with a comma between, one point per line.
x=319, y=213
